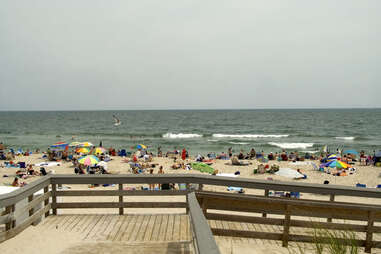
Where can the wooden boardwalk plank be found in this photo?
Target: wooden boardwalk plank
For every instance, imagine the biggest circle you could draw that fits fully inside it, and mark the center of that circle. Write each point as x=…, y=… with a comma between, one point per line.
x=143, y=228
x=123, y=229
x=74, y=223
x=169, y=234
x=135, y=230
x=176, y=227
x=115, y=230
x=102, y=226
x=156, y=228
x=183, y=227
x=110, y=226
x=92, y=224
x=84, y=224
x=163, y=228
x=150, y=227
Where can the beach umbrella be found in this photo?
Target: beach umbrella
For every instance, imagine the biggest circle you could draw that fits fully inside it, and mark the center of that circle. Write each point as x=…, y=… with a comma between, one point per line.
x=74, y=144
x=336, y=164
x=99, y=150
x=82, y=150
x=61, y=145
x=141, y=146
x=351, y=152
x=289, y=173
x=88, y=160
x=332, y=157
x=85, y=144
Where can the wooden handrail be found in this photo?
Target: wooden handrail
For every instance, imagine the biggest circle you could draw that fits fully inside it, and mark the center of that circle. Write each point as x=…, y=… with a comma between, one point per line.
x=203, y=236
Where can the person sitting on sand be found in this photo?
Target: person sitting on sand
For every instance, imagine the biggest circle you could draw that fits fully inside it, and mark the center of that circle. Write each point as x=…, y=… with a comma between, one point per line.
x=31, y=171
x=252, y=154
x=15, y=182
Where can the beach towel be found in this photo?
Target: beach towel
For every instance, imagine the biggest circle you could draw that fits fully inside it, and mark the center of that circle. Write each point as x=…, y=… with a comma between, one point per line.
x=202, y=167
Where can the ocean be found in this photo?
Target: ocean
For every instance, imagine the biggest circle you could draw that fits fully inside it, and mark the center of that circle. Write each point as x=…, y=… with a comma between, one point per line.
x=199, y=131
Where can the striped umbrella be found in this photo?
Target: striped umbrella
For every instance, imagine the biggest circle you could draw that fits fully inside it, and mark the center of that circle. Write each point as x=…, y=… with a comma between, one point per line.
x=99, y=150
x=88, y=160
x=85, y=144
x=75, y=144
x=141, y=146
x=336, y=164
x=83, y=150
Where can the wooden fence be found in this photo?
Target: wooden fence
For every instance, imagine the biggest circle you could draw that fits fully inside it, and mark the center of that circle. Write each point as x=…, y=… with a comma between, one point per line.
x=286, y=207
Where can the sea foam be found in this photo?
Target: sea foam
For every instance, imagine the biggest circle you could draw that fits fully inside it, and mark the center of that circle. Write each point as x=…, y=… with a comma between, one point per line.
x=345, y=138
x=292, y=145
x=249, y=136
x=181, y=135
x=238, y=143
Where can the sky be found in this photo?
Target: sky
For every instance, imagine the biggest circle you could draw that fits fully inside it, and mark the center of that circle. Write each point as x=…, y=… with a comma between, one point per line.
x=189, y=54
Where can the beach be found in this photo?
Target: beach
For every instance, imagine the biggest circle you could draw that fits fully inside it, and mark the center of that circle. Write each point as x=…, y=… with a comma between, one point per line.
x=364, y=174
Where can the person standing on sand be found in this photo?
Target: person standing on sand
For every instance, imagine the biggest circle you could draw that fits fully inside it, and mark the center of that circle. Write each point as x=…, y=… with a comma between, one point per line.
x=230, y=152
x=184, y=154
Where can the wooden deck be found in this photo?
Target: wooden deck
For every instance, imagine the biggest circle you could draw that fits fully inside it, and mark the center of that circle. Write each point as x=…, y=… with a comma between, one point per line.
x=153, y=228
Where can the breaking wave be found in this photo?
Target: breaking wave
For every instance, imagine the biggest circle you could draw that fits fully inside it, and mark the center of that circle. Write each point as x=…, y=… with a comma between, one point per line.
x=292, y=145
x=249, y=136
x=181, y=135
x=345, y=138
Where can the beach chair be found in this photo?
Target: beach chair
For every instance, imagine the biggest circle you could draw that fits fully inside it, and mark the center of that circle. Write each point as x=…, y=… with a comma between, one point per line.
x=21, y=164
x=237, y=189
x=182, y=186
x=123, y=153
x=295, y=194
x=361, y=185
x=379, y=186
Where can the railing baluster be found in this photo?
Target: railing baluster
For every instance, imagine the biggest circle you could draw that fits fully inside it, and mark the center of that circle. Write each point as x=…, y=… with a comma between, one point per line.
x=332, y=199
x=369, y=232
x=54, y=198
x=266, y=195
x=121, y=209
x=11, y=224
x=286, y=226
x=46, y=202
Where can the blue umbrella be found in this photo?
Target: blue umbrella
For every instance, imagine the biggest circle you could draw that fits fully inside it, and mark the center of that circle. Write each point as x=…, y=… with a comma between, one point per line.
x=351, y=152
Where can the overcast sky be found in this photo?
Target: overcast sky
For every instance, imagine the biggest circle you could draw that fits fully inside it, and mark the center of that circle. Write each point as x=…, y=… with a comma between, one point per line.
x=189, y=54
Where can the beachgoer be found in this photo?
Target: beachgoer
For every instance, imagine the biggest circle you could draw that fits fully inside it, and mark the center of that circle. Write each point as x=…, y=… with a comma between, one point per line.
x=151, y=185
x=184, y=154
x=15, y=182
x=230, y=152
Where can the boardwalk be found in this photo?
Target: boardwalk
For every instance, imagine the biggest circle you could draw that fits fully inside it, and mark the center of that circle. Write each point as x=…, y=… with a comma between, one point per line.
x=145, y=233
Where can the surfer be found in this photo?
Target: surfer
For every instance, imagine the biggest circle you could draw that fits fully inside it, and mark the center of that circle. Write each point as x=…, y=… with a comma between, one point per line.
x=116, y=121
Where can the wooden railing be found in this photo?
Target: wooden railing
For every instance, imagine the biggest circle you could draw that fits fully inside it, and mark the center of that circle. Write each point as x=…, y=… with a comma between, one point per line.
x=289, y=208
x=243, y=203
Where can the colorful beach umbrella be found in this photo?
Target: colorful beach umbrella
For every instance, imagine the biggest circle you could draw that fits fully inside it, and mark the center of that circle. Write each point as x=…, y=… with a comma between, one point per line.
x=88, y=160
x=332, y=157
x=60, y=145
x=99, y=150
x=74, y=144
x=141, y=146
x=82, y=150
x=336, y=164
x=85, y=144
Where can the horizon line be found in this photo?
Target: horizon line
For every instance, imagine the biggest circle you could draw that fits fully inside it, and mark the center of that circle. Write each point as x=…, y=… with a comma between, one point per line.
x=190, y=109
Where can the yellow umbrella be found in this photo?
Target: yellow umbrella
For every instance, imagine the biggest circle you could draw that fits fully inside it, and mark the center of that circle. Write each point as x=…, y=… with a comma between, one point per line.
x=88, y=160
x=83, y=150
x=85, y=144
x=99, y=150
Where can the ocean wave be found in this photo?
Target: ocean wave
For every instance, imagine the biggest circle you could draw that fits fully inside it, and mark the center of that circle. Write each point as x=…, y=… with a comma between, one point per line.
x=249, y=136
x=238, y=143
x=345, y=138
x=212, y=140
x=292, y=145
x=181, y=135
x=309, y=151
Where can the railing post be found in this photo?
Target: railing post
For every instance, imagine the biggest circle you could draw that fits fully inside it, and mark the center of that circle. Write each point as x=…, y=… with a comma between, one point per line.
x=54, y=198
x=204, y=206
x=286, y=226
x=46, y=202
x=332, y=199
x=31, y=210
x=11, y=224
x=266, y=195
x=121, y=209
x=200, y=186
x=369, y=232
x=186, y=197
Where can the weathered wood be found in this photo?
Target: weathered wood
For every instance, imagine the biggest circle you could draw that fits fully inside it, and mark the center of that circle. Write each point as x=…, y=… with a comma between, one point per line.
x=332, y=199
x=33, y=203
x=267, y=192
x=205, y=242
x=24, y=192
x=14, y=231
x=121, y=209
x=286, y=226
x=249, y=234
x=46, y=202
x=54, y=198
x=31, y=210
x=117, y=205
x=10, y=224
x=220, y=181
x=369, y=233
x=121, y=193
